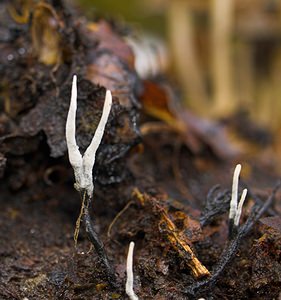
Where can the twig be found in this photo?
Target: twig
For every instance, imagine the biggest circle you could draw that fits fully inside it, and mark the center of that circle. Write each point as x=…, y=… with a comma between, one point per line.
x=178, y=240
x=179, y=243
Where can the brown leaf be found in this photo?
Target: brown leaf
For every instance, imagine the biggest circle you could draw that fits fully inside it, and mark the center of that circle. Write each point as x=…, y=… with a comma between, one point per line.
x=106, y=69
x=156, y=103
x=110, y=41
x=195, y=131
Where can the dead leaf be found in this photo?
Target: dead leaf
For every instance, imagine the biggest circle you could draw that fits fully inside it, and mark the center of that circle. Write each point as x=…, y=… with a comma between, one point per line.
x=110, y=41
x=196, y=133
x=106, y=69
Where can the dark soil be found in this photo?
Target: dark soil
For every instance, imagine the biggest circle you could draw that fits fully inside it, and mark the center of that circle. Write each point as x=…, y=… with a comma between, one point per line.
x=160, y=170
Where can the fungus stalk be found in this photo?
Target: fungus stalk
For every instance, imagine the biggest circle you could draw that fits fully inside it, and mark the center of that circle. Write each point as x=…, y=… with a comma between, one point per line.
x=235, y=207
x=130, y=276
x=83, y=168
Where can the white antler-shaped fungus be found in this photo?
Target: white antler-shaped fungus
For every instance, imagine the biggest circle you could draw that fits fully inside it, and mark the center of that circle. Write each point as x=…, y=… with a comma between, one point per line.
x=83, y=165
x=235, y=207
x=83, y=171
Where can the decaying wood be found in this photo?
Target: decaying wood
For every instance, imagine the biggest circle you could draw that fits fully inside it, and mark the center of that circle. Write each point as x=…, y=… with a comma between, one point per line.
x=177, y=239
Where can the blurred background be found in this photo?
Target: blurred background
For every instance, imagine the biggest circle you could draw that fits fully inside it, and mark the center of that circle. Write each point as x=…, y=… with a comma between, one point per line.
x=224, y=55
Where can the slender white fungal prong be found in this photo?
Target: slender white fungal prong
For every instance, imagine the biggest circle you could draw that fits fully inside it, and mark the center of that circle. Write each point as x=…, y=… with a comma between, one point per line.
x=83, y=166
x=239, y=209
x=130, y=276
x=75, y=156
x=235, y=207
x=234, y=194
x=90, y=153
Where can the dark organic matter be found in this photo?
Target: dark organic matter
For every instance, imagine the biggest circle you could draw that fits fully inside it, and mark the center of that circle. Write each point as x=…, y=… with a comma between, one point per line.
x=162, y=175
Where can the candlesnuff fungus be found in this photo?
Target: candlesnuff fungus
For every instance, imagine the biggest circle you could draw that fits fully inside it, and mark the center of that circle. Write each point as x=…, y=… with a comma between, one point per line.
x=237, y=233
x=235, y=207
x=83, y=168
x=130, y=275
